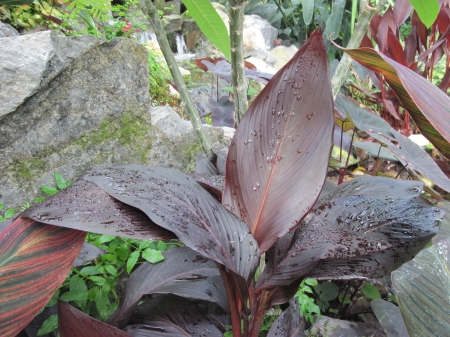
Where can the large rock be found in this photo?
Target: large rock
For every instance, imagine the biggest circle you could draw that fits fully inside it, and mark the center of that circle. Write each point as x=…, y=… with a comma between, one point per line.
x=259, y=36
x=283, y=55
x=7, y=30
x=79, y=103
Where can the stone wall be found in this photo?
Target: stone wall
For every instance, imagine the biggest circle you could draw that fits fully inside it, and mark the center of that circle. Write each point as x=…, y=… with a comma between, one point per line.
x=73, y=103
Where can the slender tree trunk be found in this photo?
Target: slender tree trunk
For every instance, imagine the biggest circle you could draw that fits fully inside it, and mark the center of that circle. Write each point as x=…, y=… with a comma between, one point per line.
x=239, y=81
x=177, y=77
x=365, y=15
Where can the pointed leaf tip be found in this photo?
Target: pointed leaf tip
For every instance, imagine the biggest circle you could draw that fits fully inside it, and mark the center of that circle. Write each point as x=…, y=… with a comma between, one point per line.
x=285, y=141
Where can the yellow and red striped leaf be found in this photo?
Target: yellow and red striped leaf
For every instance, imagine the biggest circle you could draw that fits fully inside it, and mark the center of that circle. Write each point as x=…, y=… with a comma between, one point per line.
x=34, y=260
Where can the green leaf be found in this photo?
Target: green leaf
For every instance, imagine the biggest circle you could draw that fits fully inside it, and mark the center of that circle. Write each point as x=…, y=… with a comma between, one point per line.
x=50, y=324
x=210, y=23
x=334, y=21
x=370, y=291
x=98, y=280
x=327, y=291
x=152, y=255
x=161, y=246
x=311, y=281
x=49, y=190
x=308, y=10
x=110, y=269
x=90, y=270
x=78, y=286
x=427, y=10
x=131, y=262
x=60, y=181
x=102, y=303
x=9, y=213
x=105, y=238
x=15, y=2
x=72, y=296
x=145, y=244
x=34, y=261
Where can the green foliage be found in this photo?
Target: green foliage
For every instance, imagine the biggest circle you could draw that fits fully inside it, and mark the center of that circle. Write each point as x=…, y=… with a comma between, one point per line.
x=306, y=301
x=31, y=14
x=210, y=24
x=60, y=185
x=9, y=213
x=95, y=288
x=159, y=74
x=370, y=291
x=427, y=10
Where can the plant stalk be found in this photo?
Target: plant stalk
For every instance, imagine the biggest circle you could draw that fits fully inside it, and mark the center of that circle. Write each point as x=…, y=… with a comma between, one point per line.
x=238, y=79
x=152, y=13
x=365, y=15
x=235, y=318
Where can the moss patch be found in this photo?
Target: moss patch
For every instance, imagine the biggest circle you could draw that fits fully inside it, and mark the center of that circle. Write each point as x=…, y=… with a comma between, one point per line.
x=129, y=138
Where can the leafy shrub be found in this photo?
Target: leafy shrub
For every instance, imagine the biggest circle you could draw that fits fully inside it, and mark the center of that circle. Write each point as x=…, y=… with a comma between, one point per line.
x=275, y=201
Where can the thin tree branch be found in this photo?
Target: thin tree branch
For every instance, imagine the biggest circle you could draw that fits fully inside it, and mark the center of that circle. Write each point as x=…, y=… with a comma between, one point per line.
x=177, y=77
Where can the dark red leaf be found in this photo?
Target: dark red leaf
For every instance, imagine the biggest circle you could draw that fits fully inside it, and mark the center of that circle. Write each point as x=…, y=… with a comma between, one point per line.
x=422, y=31
x=387, y=22
x=34, y=261
x=290, y=323
x=213, y=183
x=395, y=48
x=427, y=105
x=445, y=83
x=74, y=323
x=360, y=214
x=222, y=112
x=402, y=10
x=221, y=69
x=183, y=273
x=374, y=24
x=198, y=62
x=391, y=108
x=85, y=206
x=175, y=201
x=443, y=19
x=406, y=225
x=173, y=316
x=366, y=42
x=411, y=46
x=287, y=130
x=444, y=166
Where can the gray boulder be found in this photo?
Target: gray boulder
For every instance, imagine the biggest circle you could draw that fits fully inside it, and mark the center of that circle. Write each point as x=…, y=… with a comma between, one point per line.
x=7, y=30
x=70, y=104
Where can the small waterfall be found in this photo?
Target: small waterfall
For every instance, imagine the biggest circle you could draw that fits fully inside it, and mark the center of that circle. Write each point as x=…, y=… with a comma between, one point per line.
x=182, y=51
x=181, y=45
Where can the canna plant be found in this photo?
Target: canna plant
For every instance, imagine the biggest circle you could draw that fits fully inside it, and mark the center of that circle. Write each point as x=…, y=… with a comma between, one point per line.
x=275, y=201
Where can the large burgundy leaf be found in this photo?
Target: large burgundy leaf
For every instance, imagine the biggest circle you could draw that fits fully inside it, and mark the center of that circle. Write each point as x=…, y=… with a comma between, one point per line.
x=356, y=232
x=427, y=105
x=406, y=225
x=85, y=206
x=290, y=323
x=178, y=203
x=173, y=316
x=183, y=273
x=279, y=155
x=34, y=261
x=74, y=323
